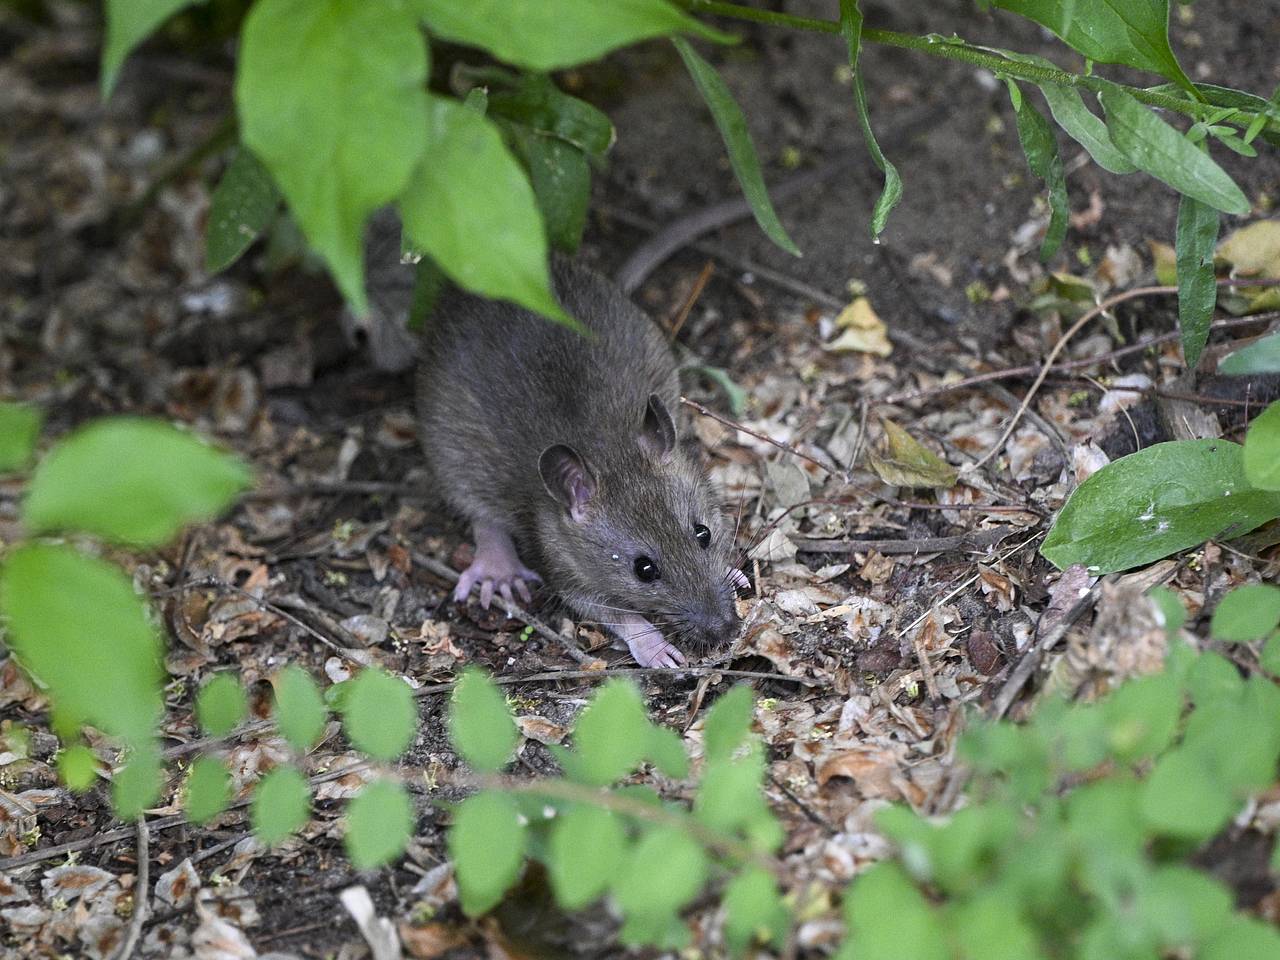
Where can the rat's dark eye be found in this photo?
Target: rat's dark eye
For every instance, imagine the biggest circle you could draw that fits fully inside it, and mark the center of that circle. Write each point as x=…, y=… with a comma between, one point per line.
x=646, y=570
x=703, y=534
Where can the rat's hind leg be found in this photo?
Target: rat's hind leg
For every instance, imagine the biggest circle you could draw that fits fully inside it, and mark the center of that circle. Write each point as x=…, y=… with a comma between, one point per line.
x=496, y=567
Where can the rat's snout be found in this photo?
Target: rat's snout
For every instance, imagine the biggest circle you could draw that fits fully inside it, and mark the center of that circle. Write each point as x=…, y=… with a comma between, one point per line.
x=715, y=626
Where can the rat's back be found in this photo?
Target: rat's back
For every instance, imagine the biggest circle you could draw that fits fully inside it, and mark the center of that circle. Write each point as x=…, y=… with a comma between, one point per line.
x=498, y=384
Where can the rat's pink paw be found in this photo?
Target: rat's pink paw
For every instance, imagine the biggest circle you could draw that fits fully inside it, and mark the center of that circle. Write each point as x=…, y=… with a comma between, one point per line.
x=495, y=567
x=647, y=645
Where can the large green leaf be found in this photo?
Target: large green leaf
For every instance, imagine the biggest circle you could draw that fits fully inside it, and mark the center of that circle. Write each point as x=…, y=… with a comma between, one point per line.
x=612, y=734
x=1262, y=356
x=486, y=842
x=587, y=847
x=469, y=205
x=737, y=140
x=665, y=871
x=331, y=95
x=561, y=180
x=1197, y=235
x=1131, y=32
x=379, y=822
x=129, y=22
x=1155, y=502
x=534, y=101
x=130, y=480
x=550, y=34
x=887, y=918
x=243, y=204
x=1154, y=146
x=300, y=711
x=281, y=805
x=728, y=723
x=1247, y=613
x=1262, y=450
x=19, y=430
x=480, y=722
x=221, y=704
x=76, y=623
x=1041, y=150
x=754, y=911
x=379, y=714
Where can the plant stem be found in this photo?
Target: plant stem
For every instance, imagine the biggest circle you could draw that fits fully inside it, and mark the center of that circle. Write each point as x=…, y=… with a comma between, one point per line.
x=941, y=47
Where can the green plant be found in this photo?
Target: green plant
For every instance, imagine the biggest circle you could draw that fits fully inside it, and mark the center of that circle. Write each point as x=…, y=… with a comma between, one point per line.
x=334, y=111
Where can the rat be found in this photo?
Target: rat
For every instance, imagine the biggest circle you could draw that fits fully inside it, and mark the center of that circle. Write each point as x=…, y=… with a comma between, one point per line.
x=564, y=442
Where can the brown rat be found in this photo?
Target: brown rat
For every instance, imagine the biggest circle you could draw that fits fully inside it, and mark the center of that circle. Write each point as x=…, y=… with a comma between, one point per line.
x=567, y=445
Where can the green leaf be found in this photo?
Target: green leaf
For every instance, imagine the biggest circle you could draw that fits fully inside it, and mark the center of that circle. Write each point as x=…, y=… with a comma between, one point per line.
x=243, y=205
x=137, y=786
x=208, y=789
x=481, y=726
x=754, y=911
x=19, y=430
x=1171, y=609
x=487, y=843
x=727, y=724
x=1182, y=797
x=737, y=140
x=612, y=734
x=587, y=847
x=1247, y=613
x=379, y=823
x=1194, y=898
x=561, y=181
x=1197, y=235
x=1242, y=939
x=886, y=918
x=130, y=480
x=1213, y=677
x=1041, y=150
x=379, y=714
x=470, y=207
x=990, y=928
x=129, y=22
x=1142, y=716
x=729, y=795
x=76, y=624
x=331, y=98
x=851, y=30
x=666, y=752
x=1155, y=502
x=1070, y=113
x=300, y=710
x=1269, y=659
x=535, y=102
x=78, y=767
x=1262, y=450
x=281, y=805
x=1262, y=356
x=665, y=871
x=551, y=34
x=1131, y=32
x=1154, y=146
x=221, y=704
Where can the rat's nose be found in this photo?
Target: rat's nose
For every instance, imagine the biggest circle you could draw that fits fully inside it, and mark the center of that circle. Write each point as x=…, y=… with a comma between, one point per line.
x=717, y=626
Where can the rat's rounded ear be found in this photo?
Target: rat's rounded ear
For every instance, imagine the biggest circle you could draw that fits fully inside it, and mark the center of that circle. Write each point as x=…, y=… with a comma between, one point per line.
x=658, y=430
x=567, y=478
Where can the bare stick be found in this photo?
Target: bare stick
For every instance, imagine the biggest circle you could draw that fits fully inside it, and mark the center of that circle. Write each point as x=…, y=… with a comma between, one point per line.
x=140, y=895
x=785, y=448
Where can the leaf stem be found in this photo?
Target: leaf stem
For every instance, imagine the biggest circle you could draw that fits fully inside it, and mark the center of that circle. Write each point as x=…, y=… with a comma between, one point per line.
x=955, y=49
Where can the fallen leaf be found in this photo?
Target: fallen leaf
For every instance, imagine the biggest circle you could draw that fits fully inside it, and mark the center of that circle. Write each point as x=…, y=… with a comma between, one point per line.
x=908, y=463
x=864, y=331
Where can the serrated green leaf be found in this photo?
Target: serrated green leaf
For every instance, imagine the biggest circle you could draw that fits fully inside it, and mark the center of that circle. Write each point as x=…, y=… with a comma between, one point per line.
x=300, y=710
x=891, y=193
x=1131, y=32
x=76, y=624
x=588, y=845
x=208, y=789
x=132, y=481
x=666, y=869
x=243, y=205
x=281, y=805
x=486, y=843
x=481, y=726
x=1182, y=798
x=737, y=140
x=1262, y=356
x=221, y=704
x=612, y=734
x=331, y=99
x=1247, y=613
x=1041, y=150
x=379, y=714
x=78, y=767
x=551, y=34
x=1262, y=450
x=886, y=918
x=19, y=430
x=379, y=823
x=1155, y=502
x=1197, y=234
x=469, y=205
x=754, y=911
x=561, y=181
x=666, y=752
x=129, y=22
x=1154, y=146
x=137, y=786
x=727, y=724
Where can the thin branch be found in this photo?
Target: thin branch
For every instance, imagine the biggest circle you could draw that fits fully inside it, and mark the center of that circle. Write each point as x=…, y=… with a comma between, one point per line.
x=975, y=539
x=140, y=895
x=785, y=448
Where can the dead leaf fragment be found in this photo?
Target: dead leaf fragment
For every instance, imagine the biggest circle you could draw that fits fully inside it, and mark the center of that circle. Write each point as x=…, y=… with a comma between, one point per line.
x=908, y=463
x=432, y=940
x=864, y=331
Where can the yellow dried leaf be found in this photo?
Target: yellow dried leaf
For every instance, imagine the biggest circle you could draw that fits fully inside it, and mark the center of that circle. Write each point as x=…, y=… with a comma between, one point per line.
x=907, y=463
x=1254, y=251
x=864, y=331
x=1166, y=262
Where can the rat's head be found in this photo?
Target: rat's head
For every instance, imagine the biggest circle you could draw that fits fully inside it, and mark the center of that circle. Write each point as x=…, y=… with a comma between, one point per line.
x=643, y=533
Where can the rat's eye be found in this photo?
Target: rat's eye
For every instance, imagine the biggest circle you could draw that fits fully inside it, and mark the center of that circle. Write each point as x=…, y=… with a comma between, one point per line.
x=646, y=570
x=703, y=534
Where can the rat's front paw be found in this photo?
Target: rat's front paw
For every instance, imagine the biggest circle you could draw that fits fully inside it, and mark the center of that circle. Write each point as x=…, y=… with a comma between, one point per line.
x=502, y=574
x=647, y=644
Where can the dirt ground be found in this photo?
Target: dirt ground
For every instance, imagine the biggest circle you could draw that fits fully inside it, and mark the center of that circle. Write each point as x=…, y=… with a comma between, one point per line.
x=870, y=659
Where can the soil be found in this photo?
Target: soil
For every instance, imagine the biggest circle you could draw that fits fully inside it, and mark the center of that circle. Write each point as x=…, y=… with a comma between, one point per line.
x=105, y=308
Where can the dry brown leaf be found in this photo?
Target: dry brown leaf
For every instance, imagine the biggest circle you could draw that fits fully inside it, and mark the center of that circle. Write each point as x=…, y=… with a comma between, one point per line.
x=864, y=331
x=431, y=941
x=541, y=729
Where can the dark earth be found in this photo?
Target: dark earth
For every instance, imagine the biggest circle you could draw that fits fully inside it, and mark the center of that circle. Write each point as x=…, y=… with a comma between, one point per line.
x=105, y=308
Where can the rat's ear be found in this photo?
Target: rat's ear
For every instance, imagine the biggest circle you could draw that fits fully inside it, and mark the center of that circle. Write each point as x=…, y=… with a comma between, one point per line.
x=567, y=478
x=658, y=431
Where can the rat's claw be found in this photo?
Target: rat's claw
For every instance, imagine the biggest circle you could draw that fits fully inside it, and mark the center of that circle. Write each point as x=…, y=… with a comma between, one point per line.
x=505, y=590
x=738, y=578
x=486, y=593
x=466, y=581
x=523, y=590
